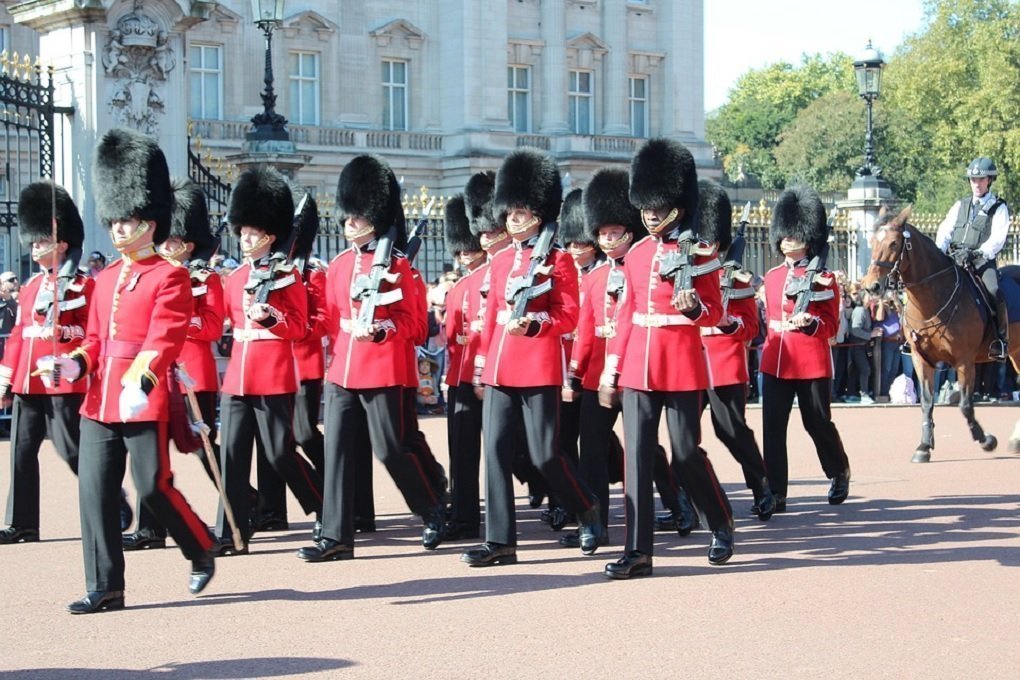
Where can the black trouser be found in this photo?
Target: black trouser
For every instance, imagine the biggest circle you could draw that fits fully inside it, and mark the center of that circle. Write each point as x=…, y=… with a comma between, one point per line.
x=641, y=412
x=147, y=522
x=813, y=401
x=102, y=463
x=379, y=411
x=273, y=416
x=503, y=411
x=272, y=491
x=862, y=362
x=414, y=440
x=727, y=404
x=464, y=432
x=31, y=417
x=989, y=275
x=596, y=443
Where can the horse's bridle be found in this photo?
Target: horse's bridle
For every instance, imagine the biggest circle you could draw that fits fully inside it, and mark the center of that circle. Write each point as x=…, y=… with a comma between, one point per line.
x=892, y=265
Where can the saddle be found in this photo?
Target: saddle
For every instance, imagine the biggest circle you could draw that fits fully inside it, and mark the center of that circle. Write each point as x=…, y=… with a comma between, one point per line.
x=1009, y=285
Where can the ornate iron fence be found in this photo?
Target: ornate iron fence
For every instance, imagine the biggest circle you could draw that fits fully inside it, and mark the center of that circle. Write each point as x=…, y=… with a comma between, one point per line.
x=26, y=144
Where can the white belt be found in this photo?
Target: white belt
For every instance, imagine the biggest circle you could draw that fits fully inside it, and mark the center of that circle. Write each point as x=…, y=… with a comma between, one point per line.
x=607, y=330
x=33, y=331
x=250, y=334
x=705, y=331
x=567, y=336
x=503, y=316
x=659, y=320
x=780, y=326
x=463, y=339
x=476, y=325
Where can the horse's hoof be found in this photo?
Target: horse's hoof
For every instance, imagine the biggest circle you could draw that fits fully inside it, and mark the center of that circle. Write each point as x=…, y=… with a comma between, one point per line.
x=989, y=443
x=921, y=456
x=1014, y=446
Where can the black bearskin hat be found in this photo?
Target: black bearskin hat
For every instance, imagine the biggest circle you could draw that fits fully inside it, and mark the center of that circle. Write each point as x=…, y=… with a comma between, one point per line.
x=368, y=188
x=799, y=214
x=306, y=222
x=663, y=175
x=478, y=203
x=262, y=199
x=715, y=214
x=131, y=179
x=528, y=178
x=572, y=225
x=607, y=201
x=457, y=230
x=36, y=212
x=190, y=219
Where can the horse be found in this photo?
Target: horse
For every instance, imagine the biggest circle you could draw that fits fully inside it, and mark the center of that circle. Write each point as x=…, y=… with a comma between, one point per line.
x=942, y=320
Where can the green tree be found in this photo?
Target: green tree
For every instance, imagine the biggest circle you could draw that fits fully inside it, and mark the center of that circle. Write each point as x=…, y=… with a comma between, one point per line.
x=746, y=130
x=823, y=146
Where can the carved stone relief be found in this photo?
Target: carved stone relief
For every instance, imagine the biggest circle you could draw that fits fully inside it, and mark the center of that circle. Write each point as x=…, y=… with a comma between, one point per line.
x=137, y=59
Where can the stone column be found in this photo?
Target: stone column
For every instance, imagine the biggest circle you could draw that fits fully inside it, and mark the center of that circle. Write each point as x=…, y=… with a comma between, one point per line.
x=865, y=198
x=615, y=75
x=554, y=68
x=680, y=37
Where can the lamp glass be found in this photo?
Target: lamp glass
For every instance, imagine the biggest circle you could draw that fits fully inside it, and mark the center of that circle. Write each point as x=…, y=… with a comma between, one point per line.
x=267, y=10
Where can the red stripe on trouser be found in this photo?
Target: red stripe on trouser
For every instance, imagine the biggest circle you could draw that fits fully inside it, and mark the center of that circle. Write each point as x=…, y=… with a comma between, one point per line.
x=572, y=478
x=414, y=459
x=720, y=496
x=165, y=484
x=303, y=467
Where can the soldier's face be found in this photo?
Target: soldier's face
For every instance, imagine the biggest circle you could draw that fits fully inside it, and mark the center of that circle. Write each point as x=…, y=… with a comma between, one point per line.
x=46, y=253
x=658, y=219
x=255, y=242
x=614, y=239
x=979, y=186
x=469, y=259
x=131, y=233
x=358, y=230
x=175, y=249
x=793, y=248
x=583, y=253
x=522, y=223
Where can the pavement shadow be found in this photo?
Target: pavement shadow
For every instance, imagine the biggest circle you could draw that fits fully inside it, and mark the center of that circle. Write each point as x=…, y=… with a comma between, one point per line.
x=228, y=669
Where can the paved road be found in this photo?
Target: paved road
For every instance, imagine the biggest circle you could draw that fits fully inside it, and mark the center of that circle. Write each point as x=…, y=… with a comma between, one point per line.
x=912, y=577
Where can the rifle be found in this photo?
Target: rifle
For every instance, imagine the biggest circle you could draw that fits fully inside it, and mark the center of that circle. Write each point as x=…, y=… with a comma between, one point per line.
x=414, y=242
x=368, y=287
x=523, y=289
x=801, y=288
x=679, y=265
x=734, y=263
x=262, y=281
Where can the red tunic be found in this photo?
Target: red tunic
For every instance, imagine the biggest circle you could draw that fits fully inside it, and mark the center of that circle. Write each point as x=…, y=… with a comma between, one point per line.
x=518, y=360
x=727, y=352
x=596, y=324
x=25, y=344
x=798, y=354
x=420, y=307
x=463, y=304
x=363, y=364
x=206, y=328
x=308, y=351
x=140, y=312
x=658, y=348
x=262, y=359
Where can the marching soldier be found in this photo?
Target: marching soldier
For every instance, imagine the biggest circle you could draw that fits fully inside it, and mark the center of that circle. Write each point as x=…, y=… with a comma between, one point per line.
x=39, y=408
x=366, y=377
x=267, y=305
x=527, y=198
x=672, y=284
x=726, y=346
x=465, y=318
x=795, y=360
x=137, y=325
x=191, y=243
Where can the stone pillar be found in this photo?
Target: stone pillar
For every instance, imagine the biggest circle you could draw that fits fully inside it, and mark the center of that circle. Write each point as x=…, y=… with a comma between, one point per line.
x=615, y=75
x=554, y=68
x=683, y=100
x=865, y=198
x=121, y=66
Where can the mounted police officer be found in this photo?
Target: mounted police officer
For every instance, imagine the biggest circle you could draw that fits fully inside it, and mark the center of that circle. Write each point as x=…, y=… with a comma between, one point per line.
x=973, y=233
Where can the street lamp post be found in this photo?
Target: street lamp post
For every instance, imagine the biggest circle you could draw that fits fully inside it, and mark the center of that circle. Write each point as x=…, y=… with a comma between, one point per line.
x=868, y=69
x=268, y=124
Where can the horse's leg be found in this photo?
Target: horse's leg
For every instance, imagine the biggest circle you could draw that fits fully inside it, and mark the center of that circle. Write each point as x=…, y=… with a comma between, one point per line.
x=966, y=374
x=926, y=379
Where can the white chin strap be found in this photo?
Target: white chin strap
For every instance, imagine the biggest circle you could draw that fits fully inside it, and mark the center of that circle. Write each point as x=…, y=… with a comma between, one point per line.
x=122, y=245
x=352, y=233
x=610, y=247
x=791, y=246
x=488, y=240
x=515, y=231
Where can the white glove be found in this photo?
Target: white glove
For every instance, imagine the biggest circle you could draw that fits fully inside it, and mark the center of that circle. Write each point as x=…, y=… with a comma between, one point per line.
x=133, y=401
x=69, y=369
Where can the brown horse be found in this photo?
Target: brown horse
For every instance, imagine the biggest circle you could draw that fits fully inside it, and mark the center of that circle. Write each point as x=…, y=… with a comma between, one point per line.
x=942, y=320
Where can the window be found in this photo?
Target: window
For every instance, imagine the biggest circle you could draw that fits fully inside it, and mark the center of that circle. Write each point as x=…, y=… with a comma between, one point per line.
x=304, y=88
x=394, y=85
x=518, y=98
x=638, y=103
x=581, y=103
x=206, y=63
x=5, y=38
